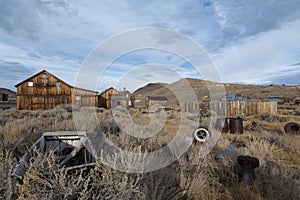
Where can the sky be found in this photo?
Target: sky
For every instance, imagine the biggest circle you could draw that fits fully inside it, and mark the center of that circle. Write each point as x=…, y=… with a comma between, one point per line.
x=255, y=42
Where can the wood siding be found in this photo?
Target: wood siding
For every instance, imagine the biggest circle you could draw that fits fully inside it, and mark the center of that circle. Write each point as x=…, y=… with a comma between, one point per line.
x=243, y=108
x=150, y=103
x=3, y=97
x=45, y=91
x=104, y=99
x=84, y=98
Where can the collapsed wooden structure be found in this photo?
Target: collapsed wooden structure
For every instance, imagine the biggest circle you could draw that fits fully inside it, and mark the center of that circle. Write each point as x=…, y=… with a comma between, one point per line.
x=73, y=150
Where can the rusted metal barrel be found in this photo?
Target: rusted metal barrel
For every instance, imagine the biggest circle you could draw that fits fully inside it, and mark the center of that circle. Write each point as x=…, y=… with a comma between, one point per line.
x=222, y=125
x=248, y=165
x=236, y=125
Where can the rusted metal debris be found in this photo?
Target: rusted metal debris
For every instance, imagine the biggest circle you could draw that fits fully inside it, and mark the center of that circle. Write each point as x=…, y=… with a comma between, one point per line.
x=248, y=165
x=73, y=150
x=292, y=128
x=222, y=125
x=236, y=125
x=254, y=126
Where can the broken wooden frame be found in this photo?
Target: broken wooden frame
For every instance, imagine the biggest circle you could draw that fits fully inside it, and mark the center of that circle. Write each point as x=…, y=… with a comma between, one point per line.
x=73, y=150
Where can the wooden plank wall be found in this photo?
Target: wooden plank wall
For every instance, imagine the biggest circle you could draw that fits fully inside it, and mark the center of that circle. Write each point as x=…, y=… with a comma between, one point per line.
x=190, y=107
x=234, y=108
x=44, y=94
x=120, y=102
x=47, y=92
x=104, y=100
x=86, y=98
x=150, y=103
x=243, y=108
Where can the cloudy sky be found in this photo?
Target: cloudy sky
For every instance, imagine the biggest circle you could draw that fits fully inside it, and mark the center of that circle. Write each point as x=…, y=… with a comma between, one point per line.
x=248, y=41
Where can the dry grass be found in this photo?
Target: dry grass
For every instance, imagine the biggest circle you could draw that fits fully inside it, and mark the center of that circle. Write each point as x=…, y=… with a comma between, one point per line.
x=187, y=178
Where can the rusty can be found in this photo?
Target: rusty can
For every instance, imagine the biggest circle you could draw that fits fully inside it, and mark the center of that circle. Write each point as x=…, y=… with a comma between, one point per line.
x=236, y=125
x=222, y=125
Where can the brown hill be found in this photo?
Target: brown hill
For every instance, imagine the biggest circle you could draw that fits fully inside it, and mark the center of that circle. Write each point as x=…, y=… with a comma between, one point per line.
x=201, y=90
x=7, y=91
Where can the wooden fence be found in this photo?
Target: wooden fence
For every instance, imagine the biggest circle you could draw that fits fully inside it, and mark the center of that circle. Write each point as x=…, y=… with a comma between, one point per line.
x=235, y=108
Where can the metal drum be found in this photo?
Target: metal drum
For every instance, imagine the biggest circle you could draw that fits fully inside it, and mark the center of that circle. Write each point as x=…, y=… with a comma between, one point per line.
x=236, y=125
x=222, y=125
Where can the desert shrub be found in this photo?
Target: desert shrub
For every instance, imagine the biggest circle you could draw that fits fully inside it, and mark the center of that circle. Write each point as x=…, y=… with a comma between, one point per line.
x=190, y=177
x=273, y=118
x=43, y=180
x=6, y=165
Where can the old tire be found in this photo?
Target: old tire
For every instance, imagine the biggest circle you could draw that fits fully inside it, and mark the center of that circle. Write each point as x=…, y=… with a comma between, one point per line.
x=292, y=127
x=201, y=134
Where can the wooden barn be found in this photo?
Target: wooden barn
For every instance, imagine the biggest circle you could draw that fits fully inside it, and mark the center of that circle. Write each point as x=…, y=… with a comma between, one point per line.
x=153, y=100
x=45, y=91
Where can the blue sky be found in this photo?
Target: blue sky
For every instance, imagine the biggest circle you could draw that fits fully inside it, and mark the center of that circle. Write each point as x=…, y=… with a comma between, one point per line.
x=249, y=41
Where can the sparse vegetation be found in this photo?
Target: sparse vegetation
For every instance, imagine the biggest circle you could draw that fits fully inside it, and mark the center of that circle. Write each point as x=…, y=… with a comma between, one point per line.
x=187, y=178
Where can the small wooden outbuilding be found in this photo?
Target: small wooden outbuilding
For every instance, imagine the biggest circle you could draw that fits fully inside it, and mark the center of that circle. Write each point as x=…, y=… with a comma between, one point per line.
x=44, y=91
x=112, y=98
x=153, y=100
x=104, y=98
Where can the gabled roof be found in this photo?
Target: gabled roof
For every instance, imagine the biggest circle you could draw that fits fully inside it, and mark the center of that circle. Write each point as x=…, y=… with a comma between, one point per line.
x=45, y=71
x=124, y=92
x=108, y=90
x=157, y=98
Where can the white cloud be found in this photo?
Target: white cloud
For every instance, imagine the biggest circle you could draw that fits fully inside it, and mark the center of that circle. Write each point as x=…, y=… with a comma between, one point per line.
x=252, y=59
x=251, y=41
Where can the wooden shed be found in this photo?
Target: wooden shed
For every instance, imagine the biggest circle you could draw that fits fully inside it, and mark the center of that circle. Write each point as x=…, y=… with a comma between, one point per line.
x=112, y=98
x=104, y=98
x=44, y=91
x=153, y=100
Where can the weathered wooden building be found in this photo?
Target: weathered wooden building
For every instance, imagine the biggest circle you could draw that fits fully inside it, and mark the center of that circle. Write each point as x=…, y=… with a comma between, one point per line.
x=112, y=98
x=119, y=100
x=44, y=91
x=132, y=101
x=7, y=95
x=153, y=100
x=104, y=98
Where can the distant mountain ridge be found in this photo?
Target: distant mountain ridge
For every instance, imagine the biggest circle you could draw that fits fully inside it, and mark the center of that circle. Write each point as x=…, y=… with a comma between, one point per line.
x=200, y=88
x=7, y=91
